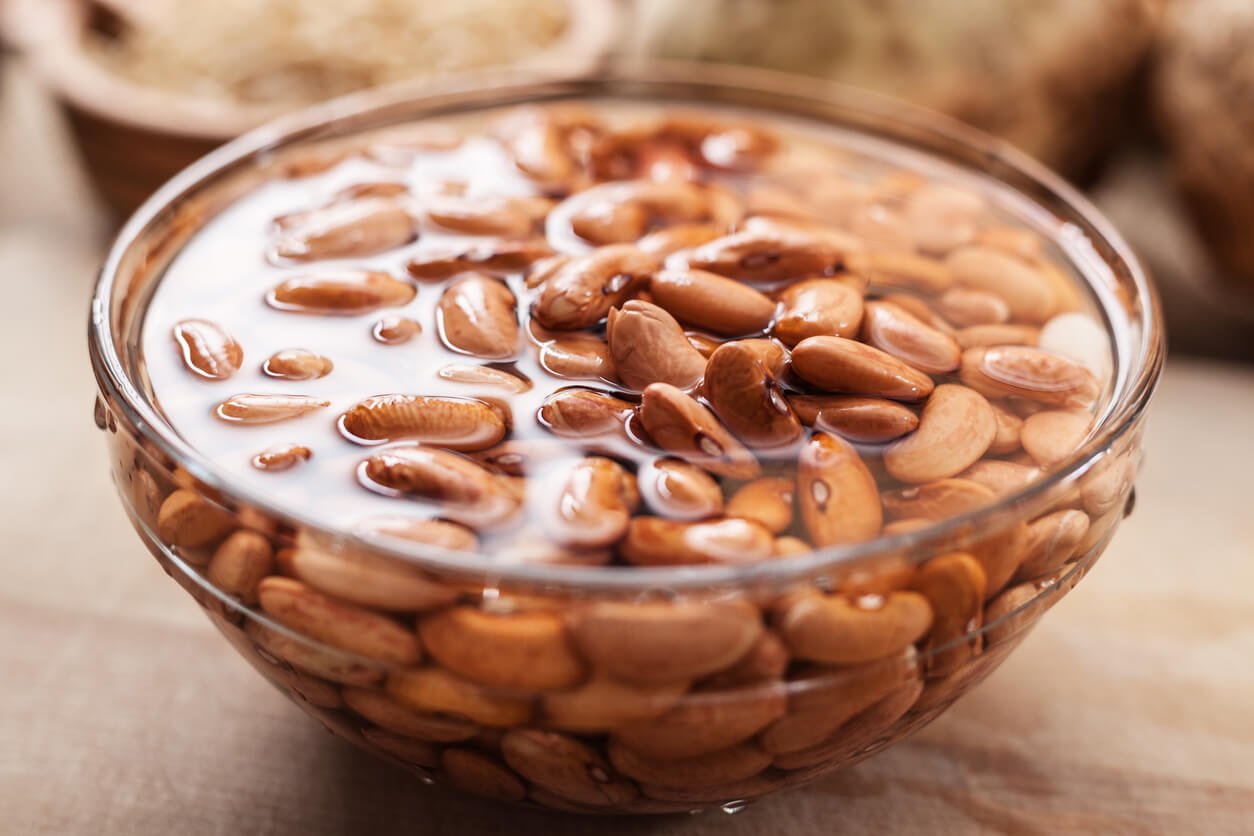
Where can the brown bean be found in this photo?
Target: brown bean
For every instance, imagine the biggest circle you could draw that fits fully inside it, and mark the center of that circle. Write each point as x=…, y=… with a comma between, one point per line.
x=975, y=336
x=791, y=547
x=676, y=489
x=578, y=355
x=1105, y=488
x=207, y=350
x=704, y=343
x=580, y=292
x=955, y=430
x=659, y=643
x=848, y=366
x=466, y=491
x=963, y=307
x=565, y=767
x=716, y=303
x=839, y=500
x=188, y=520
x=477, y=315
x=439, y=533
x=471, y=374
x=705, y=722
x=297, y=364
x=540, y=272
x=395, y=330
x=818, y=308
x=1021, y=243
x=239, y=564
x=437, y=691
x=538, y=142
x=1032, y=373
x=341, y=291
x=767, y=501
x=587, y=506
x=281, y=457
x=311, y=658
x=1052, y=436
x=734, y=147
x=857, y=734
x=366, y=579
x=621, y=212
x=248, y=408
x=648, y=346
x=455, y=423
x=872, y=420
x=763, y=255
x=943, y=217
x=602, y=704
x=735, y=763
x=999, y=555
x=919, y=309
x=672, y=239
x=385, y=712
x=1026, y=291
x=680, y=425
x=954, y=585
x=583, y=413
x=1052, y=540
x=1001, y=477
x=496, y=257
x=476, y=773
x=895, y=331
x=1009, y=428
x=741, y=386
x=526, y=650
x=309, y=612
x=835, y=629
x=822, y=700
x=654, y=541
x=507, y=217
x=1011, y=612
x=344, y=230
x=937, y=500
x=906, y=271
x=765, y=661
x=880, y=226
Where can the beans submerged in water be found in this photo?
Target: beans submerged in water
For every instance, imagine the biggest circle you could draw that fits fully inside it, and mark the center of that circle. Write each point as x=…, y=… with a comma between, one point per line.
x=590, y=342
x=630, y=296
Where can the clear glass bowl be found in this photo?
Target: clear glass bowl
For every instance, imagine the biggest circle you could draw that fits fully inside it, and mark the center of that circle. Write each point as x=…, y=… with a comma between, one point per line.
x=606, y=689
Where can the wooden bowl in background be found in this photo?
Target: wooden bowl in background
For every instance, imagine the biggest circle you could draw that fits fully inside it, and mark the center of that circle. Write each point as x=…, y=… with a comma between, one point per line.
x=132, y=138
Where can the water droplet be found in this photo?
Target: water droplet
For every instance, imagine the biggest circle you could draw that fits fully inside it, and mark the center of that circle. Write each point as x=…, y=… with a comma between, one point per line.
x=731, y=808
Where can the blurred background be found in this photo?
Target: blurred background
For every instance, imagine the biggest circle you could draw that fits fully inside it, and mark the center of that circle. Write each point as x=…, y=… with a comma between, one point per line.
x=1146, y=104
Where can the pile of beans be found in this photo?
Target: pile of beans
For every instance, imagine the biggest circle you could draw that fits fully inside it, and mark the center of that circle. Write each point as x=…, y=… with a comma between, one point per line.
x=688, y=340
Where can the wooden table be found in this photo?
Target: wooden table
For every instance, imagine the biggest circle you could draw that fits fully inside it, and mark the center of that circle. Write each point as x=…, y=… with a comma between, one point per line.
x=123, y=712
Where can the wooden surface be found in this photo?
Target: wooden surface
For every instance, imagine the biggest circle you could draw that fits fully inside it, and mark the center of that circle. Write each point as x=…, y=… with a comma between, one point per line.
x=123, y=712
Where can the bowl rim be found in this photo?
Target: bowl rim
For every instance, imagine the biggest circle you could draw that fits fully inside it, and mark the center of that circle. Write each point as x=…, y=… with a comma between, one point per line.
x=50, y=33
x=681, y=82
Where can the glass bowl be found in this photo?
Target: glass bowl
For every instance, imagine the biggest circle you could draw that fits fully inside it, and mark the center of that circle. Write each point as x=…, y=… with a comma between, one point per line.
x=599, y=689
